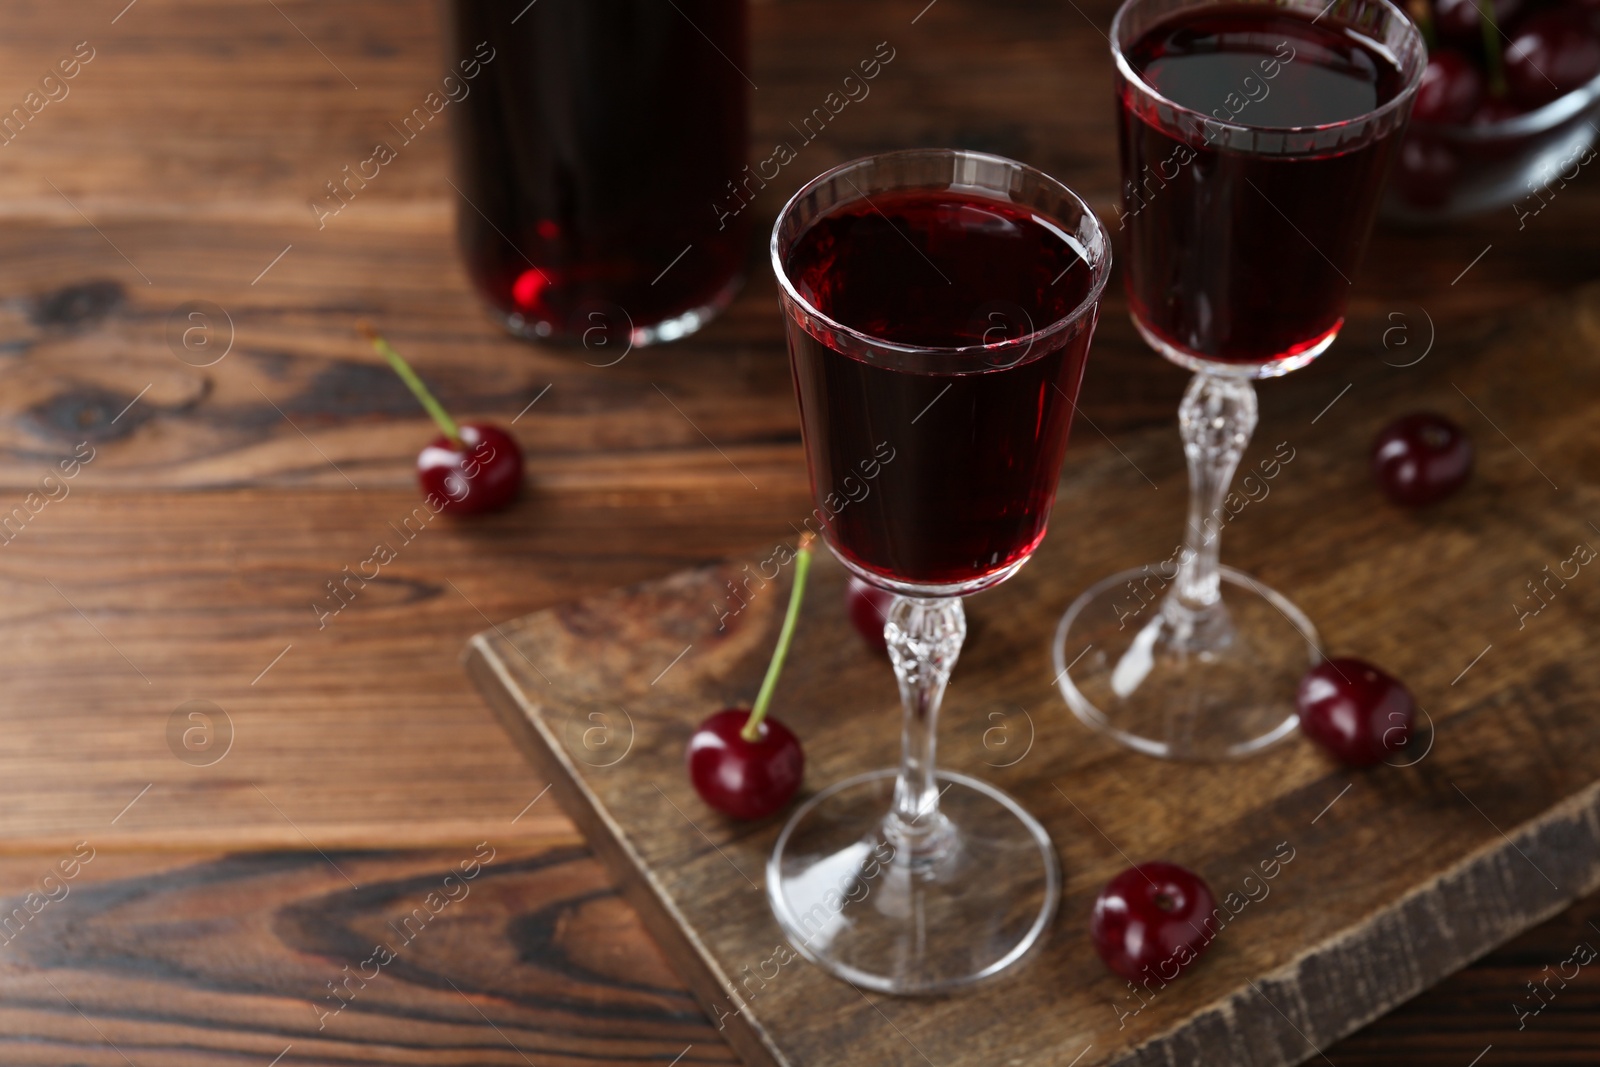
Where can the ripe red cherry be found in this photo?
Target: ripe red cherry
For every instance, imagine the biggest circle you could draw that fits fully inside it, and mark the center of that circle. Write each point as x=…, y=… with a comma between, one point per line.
x=1552, y=53
x=869, y=609
x=470, y=467
x=1420, y=459
x=1459, y=19
x=1425, y=173
x=744, y=779
x=1492, y=113
x=1355, y=711
x=1450, y=90
x=1495, y=110
x=745, y=763
x=1149, y=921
x=482, y=472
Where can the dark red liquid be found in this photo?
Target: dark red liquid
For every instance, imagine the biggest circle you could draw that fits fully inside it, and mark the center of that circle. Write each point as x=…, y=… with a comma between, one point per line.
x=594, y=156
x=930, y=476
x=1236, y=253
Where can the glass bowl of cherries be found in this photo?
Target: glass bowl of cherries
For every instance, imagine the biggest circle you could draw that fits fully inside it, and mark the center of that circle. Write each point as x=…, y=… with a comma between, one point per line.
x=1506, y=112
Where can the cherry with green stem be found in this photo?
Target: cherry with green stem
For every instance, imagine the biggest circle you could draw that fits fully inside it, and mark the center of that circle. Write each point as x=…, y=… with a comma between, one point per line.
x=471, y=467
x=769, y=683
x=745, y=763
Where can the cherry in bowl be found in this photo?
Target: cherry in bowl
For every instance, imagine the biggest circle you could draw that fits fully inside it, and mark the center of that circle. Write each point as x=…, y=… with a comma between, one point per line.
x=1450, y=91
x=1420, y=459
x=1426, y=171
x=1149, y=921
x=1552, y=53
x=1354, y=711
x=1462, y=20
x=1493, y=111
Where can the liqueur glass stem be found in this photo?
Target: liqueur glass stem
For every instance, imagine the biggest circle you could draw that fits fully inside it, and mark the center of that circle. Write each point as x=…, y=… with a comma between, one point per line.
x=1216, y=419
x=924, y=638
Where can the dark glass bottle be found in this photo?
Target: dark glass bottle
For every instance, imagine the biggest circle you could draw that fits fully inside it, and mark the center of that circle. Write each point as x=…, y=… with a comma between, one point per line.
x=594, y=154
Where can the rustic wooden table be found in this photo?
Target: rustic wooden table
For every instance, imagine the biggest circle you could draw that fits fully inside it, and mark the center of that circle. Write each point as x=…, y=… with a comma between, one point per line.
x=168, y=905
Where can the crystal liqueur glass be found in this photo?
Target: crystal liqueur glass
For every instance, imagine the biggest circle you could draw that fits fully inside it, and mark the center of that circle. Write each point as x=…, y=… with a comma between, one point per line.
x=1255, y=139
x=939, y=307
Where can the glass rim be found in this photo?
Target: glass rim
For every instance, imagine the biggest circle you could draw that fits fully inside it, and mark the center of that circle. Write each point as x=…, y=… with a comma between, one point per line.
x=1400, y=99
x=1100, y=267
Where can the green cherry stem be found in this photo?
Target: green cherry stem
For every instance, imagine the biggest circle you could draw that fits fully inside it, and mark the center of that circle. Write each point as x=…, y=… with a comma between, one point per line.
x=414, y=383
x=1421, y=12
x=1492, y=52
x=802, y=566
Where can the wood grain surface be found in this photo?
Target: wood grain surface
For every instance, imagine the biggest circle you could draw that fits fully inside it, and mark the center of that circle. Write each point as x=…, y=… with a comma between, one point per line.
x=190, y=550
x=1491, y=825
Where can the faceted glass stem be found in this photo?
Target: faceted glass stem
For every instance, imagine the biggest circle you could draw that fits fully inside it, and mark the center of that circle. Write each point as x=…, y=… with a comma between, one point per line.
x=924, y=638
x=1216, y=419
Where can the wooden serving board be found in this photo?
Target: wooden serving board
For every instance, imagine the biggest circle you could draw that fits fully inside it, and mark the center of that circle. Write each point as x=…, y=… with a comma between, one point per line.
x=1395, y=876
